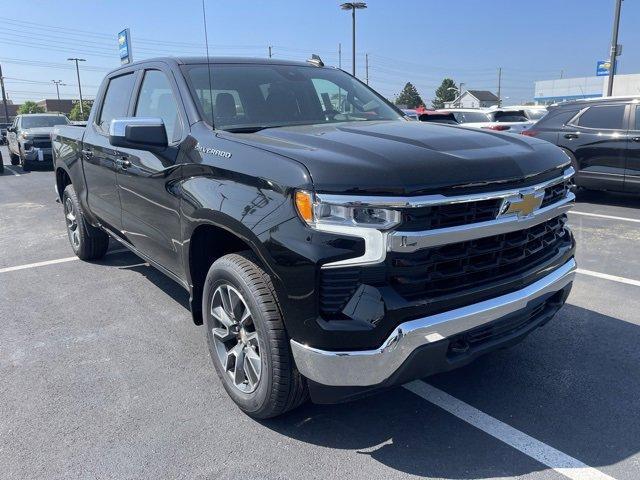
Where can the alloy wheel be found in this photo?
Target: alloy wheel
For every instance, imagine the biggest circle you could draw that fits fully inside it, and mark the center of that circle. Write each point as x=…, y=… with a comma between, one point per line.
x=72, y=223
x=235, y=338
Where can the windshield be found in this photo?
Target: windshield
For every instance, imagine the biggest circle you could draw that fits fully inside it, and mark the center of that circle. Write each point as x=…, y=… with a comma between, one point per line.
x=43, y=121
x=246, y=97
x=470, y=117
x=514, y=116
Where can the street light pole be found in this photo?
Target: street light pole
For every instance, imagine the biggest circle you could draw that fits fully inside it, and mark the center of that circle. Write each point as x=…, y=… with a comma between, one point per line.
x=614, y=46
x=78, y=75
x=57, y=83
x=353, y=6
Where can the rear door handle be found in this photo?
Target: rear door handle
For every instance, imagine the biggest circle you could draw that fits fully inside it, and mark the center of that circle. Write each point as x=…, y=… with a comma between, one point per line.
x=635, y=139
x=571, y=135
x=87, y=153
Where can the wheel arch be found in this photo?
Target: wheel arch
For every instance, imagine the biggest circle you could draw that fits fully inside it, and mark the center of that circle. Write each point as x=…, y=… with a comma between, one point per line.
x=211, y=239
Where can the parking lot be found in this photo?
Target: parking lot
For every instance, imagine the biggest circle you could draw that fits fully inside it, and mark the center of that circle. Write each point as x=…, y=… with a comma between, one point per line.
x=104, y=375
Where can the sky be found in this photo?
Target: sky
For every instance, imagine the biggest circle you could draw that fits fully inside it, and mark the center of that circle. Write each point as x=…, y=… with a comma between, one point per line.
x=418, y=41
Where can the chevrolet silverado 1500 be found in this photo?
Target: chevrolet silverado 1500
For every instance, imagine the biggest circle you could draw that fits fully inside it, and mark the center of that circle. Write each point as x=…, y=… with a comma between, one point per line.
x=330, y=247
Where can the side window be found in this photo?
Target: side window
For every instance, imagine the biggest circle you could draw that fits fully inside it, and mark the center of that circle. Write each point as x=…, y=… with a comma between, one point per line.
x=637, y=117
x=156, y=100
x=609, y=117
x=116, y=100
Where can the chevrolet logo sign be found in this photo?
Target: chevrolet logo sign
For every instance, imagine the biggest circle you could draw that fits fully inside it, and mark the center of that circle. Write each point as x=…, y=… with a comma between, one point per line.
x=523, y=205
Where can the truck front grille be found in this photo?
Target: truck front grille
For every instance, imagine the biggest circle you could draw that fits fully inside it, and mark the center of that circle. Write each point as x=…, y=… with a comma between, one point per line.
x=456, y=214
x=437, y=272
x=449, y=215
x=44, y=142
x=452, y=268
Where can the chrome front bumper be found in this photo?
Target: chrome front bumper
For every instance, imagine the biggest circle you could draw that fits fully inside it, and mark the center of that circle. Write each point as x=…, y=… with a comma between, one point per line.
x=372, y=367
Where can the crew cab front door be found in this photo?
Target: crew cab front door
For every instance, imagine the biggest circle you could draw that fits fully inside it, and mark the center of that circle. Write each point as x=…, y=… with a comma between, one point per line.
x=148, y=180
x=100, y=158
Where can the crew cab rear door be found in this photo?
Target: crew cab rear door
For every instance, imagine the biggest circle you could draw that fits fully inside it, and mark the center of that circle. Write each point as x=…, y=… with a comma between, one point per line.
x=100, y=158
x=147, y=180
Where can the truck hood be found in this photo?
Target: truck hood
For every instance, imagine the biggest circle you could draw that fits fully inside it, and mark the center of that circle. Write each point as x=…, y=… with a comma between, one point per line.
x=39, y=131
x=406, y=158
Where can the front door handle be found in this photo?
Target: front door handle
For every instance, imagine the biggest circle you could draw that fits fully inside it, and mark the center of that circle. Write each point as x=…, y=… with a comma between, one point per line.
x=635, y=139
x=123, y=163
x=571, y=135
x=87, y=153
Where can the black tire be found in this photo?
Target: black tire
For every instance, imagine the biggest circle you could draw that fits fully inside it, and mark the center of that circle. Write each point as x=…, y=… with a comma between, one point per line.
x=280, y=387
x=15, y=159
x=25, y=164
x=92, y=243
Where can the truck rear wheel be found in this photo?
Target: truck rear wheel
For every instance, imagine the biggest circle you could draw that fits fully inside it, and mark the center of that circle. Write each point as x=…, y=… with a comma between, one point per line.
x=87, y=241
x=15, y=159
x=247, y=339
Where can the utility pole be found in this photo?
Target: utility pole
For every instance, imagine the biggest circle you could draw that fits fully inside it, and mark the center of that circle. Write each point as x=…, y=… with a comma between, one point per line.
x=4, y=97
x=78, y=75
x=366, y=68
x=340, y=56
x=57, y=83
x=561, y=74
x=269, y=51
x=499, y=85
x=615, y=48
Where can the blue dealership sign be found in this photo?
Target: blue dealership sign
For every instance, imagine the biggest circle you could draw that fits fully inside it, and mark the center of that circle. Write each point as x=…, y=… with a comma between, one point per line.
x=603, y=68
x=124, y=46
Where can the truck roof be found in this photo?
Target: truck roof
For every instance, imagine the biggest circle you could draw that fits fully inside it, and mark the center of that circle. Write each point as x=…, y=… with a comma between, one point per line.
x=187, y=60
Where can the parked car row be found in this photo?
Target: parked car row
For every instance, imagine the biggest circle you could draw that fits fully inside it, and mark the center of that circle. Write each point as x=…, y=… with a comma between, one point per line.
x=514, y=119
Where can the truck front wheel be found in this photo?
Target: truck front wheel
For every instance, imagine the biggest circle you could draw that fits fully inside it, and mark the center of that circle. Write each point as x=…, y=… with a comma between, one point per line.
x=15, y=159
x=87, y=241
x=247, y=339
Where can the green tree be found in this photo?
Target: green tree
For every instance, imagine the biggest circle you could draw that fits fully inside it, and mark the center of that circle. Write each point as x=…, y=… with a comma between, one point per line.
x=409, y=97
x=75, y=114
x=446, y=92
x=30, y=107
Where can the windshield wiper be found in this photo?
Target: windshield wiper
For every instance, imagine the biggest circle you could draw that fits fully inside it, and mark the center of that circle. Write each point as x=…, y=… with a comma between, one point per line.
x=246, y=128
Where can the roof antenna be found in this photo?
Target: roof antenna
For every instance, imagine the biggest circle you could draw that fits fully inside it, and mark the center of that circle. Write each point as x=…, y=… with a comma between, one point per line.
x=316, y=60
x=206, y=42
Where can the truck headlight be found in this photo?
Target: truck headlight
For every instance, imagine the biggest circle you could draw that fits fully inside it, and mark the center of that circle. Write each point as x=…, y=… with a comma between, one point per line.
x=316, y=212
x=24, y=136
x=348, y=217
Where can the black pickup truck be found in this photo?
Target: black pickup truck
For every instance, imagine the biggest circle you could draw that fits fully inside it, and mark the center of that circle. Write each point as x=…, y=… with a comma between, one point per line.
x=330, y=246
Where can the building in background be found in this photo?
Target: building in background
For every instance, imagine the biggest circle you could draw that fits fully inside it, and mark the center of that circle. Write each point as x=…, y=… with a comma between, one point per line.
x=57, y=106
x=564, y=89
x=12, y=110
x=474, y=99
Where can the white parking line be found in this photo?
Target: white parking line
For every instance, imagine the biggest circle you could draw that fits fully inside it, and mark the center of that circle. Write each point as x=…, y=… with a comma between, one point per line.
x=12, y=170
x=606, y=276
x=52, y=262
x=610, y=217
x=540, y=451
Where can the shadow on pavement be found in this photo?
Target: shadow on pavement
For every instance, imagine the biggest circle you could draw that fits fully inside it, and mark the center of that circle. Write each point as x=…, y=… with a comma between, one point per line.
x=613, y=199
x=130, y=261
x=574, y=384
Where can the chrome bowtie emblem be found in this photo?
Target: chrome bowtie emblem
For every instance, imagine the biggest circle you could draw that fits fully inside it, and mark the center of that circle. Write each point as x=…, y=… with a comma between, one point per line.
x=523, y=205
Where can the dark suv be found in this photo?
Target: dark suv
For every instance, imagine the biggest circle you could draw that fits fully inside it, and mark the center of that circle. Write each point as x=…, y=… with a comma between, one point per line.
x=602, y=137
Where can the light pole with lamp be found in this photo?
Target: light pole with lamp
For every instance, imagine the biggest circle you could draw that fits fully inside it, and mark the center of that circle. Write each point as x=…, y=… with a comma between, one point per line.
x=353, y=6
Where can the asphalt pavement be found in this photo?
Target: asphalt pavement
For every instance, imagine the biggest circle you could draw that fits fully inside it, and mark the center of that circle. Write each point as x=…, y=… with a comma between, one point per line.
x=104, y=375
